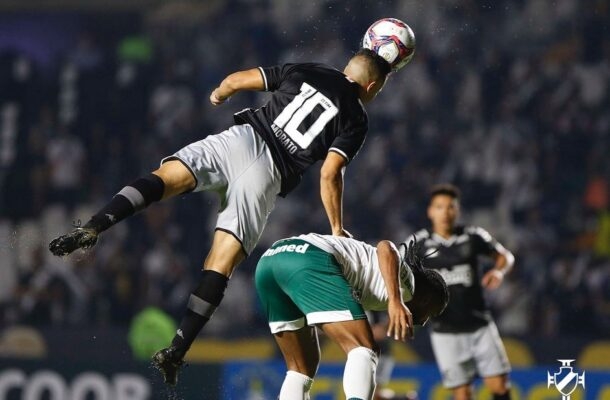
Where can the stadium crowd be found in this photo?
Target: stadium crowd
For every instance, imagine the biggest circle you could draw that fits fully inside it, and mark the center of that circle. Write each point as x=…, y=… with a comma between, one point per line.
x=507, y=99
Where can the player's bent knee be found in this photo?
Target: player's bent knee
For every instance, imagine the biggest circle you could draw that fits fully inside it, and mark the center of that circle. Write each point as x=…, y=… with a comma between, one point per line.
x=225, y=254
x=177, y=177
x=498, y=385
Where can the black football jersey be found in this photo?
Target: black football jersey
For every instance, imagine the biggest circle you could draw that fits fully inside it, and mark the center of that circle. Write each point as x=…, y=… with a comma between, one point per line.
x=457, y=260
x=314, y=109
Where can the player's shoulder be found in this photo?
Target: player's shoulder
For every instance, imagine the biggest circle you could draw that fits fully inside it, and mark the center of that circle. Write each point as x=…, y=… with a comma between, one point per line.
x=313, y=68
x=474, y=230
x=419, y=236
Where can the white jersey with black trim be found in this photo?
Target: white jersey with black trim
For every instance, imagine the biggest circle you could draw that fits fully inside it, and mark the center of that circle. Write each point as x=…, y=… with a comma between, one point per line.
x=361, y=269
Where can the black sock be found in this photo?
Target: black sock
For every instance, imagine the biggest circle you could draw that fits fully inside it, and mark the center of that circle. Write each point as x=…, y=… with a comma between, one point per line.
x=132, y=198
x=202, y=304
x=505, y=396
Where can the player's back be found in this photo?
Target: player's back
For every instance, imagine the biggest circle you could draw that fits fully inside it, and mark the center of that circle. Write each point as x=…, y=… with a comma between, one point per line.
x=314, y=108
x=360, y=267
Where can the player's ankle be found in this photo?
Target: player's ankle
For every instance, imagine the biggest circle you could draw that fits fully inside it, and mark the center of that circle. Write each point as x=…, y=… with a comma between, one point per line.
x=92, y=225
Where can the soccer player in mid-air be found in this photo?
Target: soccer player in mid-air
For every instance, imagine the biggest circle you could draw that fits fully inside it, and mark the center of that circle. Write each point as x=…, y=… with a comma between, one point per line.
x=464, y=337
x=315, y=113
x=329, y=281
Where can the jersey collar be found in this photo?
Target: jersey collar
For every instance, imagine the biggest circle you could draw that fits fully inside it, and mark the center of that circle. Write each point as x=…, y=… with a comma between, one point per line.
x=441, y=240
x=457, y=236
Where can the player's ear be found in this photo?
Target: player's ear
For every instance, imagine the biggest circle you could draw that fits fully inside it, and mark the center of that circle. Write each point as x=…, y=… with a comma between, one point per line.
x=373, y=88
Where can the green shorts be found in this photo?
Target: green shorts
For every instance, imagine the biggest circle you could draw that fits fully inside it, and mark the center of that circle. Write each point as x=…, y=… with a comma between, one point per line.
x=298, y=283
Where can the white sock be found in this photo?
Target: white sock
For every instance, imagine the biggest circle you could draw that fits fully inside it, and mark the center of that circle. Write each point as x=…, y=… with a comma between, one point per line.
x=359, y=374
x=295, y=387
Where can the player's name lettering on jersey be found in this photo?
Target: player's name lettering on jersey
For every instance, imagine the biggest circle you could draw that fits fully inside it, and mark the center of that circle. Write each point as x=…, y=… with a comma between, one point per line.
x=288, y=248
x=284, y=139
x=458, y=274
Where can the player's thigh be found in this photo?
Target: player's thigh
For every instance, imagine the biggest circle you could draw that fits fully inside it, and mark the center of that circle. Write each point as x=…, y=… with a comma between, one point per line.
x=250, y=196
x=246, y=208
x=203, y=160
x=217, y=159
x=297, y=342
x=225, y=254
x=300, y=349
x=489, y=352
x=177, y=178
x=248, y=153
x=350, y=334
x=454, y=357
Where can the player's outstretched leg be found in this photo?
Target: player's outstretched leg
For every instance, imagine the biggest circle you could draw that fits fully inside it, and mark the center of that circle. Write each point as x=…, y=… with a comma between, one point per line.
x=132, y=198
x=171, y=179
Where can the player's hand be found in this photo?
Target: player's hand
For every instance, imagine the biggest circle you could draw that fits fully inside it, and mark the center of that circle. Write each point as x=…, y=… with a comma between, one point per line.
x=342, y=232
x=215, y=99
x=492, y=279
x=400, y=325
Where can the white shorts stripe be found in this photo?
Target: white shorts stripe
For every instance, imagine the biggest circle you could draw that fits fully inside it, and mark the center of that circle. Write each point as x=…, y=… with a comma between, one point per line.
x=323, y=317
x=281, y=326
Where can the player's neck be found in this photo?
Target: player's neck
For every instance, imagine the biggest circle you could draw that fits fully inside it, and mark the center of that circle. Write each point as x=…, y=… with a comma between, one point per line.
x=355, y=74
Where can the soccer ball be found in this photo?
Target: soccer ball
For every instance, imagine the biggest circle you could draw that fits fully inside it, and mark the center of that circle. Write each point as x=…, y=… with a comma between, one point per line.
x=392, y=39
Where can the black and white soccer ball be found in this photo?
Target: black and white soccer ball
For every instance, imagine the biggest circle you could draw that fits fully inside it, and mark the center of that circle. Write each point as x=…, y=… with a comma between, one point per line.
x=392, y=39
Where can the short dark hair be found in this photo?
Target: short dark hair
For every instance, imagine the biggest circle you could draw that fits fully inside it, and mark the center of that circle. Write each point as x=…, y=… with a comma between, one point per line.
x=433, y=285
x=445, y=189
x=374, y=61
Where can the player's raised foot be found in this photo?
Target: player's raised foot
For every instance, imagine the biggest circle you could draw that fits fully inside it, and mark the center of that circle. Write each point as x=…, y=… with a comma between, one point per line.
x=168, y=362
x=79, y=238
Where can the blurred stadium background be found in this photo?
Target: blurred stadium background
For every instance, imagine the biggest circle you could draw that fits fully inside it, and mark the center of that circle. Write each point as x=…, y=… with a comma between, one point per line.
x=509, y=99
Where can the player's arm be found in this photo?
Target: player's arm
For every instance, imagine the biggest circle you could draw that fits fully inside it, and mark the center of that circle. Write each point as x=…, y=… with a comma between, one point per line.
x=331, y=191
x=400, y=324
x=503, y=263
x=251, y=79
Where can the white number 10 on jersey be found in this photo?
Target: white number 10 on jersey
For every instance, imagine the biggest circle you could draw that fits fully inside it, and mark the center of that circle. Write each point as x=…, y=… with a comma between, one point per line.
x=299, y=108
